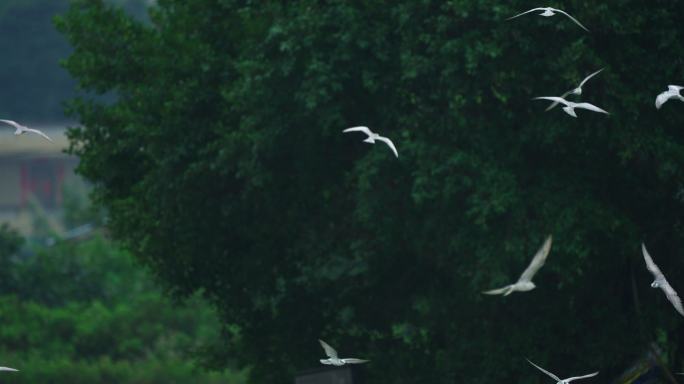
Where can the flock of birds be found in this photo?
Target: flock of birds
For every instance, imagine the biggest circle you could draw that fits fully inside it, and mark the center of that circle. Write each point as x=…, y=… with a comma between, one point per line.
x=673, y=91
x=524, y=282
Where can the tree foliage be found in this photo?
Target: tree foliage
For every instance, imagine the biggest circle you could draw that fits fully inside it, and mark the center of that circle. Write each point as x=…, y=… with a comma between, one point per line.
x=84, y=312
x=223, y=167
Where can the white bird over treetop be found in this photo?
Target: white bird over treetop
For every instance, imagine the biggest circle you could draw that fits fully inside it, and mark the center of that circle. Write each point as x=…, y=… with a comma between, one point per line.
x=20, y=129
x=525, y=283
x=8, y=369
x=548, y=12
x=333, y=359
x=570, y=106
x=576, y=91
x=661, y=282
x=673, y=92
x=372, y=136
x=558, y=379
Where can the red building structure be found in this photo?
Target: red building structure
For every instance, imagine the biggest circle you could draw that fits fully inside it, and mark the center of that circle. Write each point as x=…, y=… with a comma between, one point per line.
x=33, y=175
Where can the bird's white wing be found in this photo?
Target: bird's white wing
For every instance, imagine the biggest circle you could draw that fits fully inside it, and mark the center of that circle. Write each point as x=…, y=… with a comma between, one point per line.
x=573, y=19
x=589, y=77
x=545, y=371
x=552, y=98
x=652, y=267
x=537, y=261
x=670, y=293
x=590, y=107
x=354, y=361
x=497, y=291
x=390, y=144
x=675, y=88
x=662, y=98
x=12, y=123
x=553, y=105
x=672, y=296
x=363, y=129
x=8, y=369
x=525, y=13
x=569, y=379
x=329, y=351
x=37, y=132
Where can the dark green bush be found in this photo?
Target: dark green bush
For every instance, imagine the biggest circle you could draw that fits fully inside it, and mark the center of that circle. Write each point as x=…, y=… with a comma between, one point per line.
x=83, y=312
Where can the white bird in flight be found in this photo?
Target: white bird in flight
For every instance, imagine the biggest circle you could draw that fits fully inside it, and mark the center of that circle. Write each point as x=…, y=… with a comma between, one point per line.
x=570, y=106
x=558, y=379
x=525, y=283
x=548, y=12
x=576, y=91
x=8, y=369
x=20, y=129
x=673, y=92
x=333, y=359
x=661, y=282
x=372, y=136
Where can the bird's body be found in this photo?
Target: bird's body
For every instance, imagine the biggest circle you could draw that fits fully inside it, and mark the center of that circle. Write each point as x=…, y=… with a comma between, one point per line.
x=521, y=286
x=548, y=12
x=570, y=106
x=576, y=91
x=333, y=359
x=660, y=281
x=21, y=129
x=673, y=92
x=558, y=379
x=525, y=283
x=340, y=362
x=372, y=137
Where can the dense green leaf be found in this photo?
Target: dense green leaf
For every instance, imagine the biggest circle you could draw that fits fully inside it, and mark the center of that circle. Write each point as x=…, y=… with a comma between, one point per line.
x=223, y=167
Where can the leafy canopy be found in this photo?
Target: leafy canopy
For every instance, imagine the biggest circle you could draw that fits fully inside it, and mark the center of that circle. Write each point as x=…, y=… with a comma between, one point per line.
x=223, y=167
x=84, y=312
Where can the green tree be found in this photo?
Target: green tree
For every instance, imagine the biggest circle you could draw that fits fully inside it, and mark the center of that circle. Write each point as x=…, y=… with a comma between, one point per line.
x=223, y=167
x=87, y=307
x=10, y=243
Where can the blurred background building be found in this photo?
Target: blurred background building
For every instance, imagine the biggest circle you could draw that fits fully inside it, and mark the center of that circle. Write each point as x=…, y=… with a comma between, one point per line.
x=38, y=178
x=35, y=176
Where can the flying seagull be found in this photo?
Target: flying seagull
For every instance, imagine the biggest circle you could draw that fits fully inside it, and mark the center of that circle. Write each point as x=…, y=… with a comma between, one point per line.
x=570, y=106
x=576, y=91
x=372, y=136
x=660, y=281
x=525, y=283
x=8, y=369
x=548, y=12
x=671, y=93
x=333, y=359
x=562, y=381
x=20, y=129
